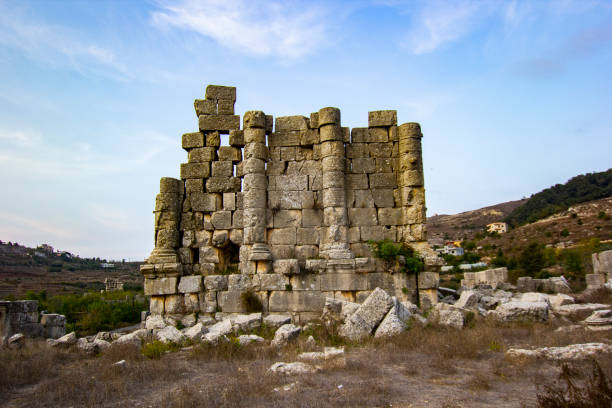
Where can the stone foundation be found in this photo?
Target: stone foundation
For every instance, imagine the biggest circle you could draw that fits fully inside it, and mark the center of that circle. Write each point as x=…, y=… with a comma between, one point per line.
x=285, y=212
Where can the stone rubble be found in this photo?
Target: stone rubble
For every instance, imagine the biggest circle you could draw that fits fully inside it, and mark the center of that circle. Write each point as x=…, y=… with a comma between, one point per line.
x=571, y=352
x=285, y=334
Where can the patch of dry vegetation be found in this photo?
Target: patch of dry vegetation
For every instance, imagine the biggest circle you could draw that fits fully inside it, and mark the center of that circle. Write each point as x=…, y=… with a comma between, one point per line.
x=457, y=367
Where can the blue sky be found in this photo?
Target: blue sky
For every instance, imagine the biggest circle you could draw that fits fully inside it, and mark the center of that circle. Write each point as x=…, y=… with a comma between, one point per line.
x=512, y=97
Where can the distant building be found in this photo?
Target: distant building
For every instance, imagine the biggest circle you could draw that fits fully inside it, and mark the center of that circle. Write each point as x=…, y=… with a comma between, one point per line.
x=499, y=227
x=113, y=284
x=451, y=248
x=107, y=265
x=46, y=248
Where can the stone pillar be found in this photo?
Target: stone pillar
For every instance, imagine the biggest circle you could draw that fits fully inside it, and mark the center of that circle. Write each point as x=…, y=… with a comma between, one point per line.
x=257, y=256
x=410, y=183
x=334, y=238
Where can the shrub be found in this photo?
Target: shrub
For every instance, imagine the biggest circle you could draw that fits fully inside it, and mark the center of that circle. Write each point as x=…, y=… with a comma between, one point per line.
x=531, y=259
x=564, y=232
x=156, y=349
x=251, y=302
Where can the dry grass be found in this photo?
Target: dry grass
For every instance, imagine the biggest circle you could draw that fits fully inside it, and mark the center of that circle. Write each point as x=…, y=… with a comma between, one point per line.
x=465, y=368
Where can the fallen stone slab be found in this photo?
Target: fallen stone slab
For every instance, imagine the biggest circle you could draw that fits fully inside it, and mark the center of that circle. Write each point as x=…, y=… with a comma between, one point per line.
x=367, y=316
x=534, y=297
x=468, y=299
x=580, y=310
x=86, y=347
x=599, y=318
x=68, y=340
x=276, y=321
x=337, y=310
x=16, y=341
x=195, y=332
x=448, y=315
x=101, y=344
x=169, y=334
x=571, y=352
x=246, y=323
x=295, y=368
x=522, y=311
x=246, y=339
x=396, y=319
x=285, y=334
x=136, y=337
x=217, y=331
x=155, y=322
x=558, y=300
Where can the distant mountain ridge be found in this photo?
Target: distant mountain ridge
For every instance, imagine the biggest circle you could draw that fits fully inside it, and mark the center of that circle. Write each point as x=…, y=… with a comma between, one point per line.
x=579, y=189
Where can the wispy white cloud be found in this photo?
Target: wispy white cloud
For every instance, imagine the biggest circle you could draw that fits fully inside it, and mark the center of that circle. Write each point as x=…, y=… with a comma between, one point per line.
x=262, y=28
x=57, y=46
x=21, y=227
x=440, y=22
x=35, y=155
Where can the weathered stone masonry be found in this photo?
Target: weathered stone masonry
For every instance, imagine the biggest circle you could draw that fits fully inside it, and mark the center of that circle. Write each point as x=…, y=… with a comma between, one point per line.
x=285, y=211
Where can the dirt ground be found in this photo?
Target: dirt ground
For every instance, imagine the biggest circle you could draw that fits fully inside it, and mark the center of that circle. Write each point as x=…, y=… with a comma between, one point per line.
x=424, y=367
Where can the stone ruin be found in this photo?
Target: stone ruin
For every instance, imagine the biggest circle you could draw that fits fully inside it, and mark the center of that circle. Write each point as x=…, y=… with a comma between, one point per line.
x=285, y=212
x=21, y=316
x=111, y=284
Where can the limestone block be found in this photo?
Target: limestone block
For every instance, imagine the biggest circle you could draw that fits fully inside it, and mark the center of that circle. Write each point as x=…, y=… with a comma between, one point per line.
x=254, y=119
x=201, y=155
x=287, y=218
x=332, y=148
x=231, y=301
x=225, y=106
x=329, y=116
x=290, y=182
x=390, y=216
x=382, y=118
x=205, y=107
x=330, y=132
x=414, y=214
x=167, y=239
x=334, y=216
x=372, y=233
x=174, y=304
x=167, y=202
x=221, y=219
x=203, y=237
x=602, y=262
x=410, y=130
x=309, y=137
x=288, y=123
x=363, y=165
x=212, y=139
x=254, y=217
x=229, y=201
x=343, y=281
x=256, y=151
x=220, y=92
x=208, y=254
x=283, y=252
x=231, y=154
x=269, y=124
x=357, y=151
x=222, y=184
x=314, y=120
x=286, y=266
x=156, y=305
x=170, y=185
x=236, y=138
x=271, y=281
x=220, y=238
x=362, y=216
x=314, y=182
x=382, y=180
x=595, y=280
x=287, y=153
x=215, y=282
x=383, y=197
x=285, y=139
x=191, y=302
x=307, y=236
x=379, y=150
x=255, y=181
x=303, y=252
x=222, y=123
x=191, y=140
x=195, y=170
x=239, y=282
x=315, y=265
x=411, y=178
x=208, y=301
x=298, y=301
x=367, y=317
x=254, y=166
x=429, y=280
x=194, y=186
x=385, y=165
x=306, y=282
x=383, y=280
x=254, y=199
x=222, y=169
x=282, y=236
x=333, y=197
x=355, y=181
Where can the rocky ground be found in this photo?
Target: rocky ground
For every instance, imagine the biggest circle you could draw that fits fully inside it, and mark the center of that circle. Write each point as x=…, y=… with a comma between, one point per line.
x=488, y=348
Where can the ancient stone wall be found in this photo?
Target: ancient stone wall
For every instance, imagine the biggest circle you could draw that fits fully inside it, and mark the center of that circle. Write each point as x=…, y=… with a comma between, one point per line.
x=285, y=211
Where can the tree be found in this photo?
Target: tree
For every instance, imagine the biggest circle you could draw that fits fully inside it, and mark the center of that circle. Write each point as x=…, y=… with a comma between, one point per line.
x=532, y=259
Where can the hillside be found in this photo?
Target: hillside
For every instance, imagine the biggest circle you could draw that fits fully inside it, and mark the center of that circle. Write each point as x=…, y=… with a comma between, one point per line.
x=23, y=269
x=467, y=224
x=579, y=189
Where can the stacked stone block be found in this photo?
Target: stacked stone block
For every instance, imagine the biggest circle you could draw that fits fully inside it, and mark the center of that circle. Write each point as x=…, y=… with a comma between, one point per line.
x=284, y=211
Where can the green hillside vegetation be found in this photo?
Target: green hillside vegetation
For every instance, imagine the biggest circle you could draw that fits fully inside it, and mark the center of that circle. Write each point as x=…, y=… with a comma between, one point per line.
x=579, y=189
